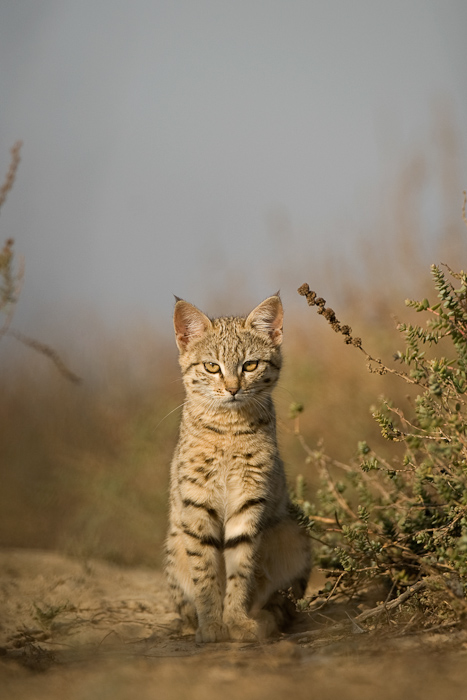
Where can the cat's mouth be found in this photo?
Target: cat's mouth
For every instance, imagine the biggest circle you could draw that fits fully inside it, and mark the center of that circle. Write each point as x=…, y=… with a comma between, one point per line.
x=231, y=400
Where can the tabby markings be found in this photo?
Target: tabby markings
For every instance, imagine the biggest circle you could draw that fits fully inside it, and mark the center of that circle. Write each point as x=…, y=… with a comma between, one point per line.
x=250, y=504
x=206, y=540
x=239, y=539
x=203, y=506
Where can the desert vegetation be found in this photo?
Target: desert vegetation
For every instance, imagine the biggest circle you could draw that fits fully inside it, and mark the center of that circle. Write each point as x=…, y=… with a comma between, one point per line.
x=400, y=521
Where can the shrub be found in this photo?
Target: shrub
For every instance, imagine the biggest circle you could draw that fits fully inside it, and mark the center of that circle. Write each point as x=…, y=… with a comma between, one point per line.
x=404, y=521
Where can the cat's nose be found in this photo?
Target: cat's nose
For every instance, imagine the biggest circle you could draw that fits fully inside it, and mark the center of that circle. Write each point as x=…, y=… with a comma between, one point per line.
x=232, y=389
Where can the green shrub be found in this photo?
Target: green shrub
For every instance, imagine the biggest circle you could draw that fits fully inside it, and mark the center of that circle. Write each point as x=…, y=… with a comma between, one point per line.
x=403, y=521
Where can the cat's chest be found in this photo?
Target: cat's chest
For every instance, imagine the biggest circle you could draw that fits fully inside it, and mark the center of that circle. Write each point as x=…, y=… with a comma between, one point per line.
x=225, y=482
x=229, y=434
x=226, y=454
x=223, y=463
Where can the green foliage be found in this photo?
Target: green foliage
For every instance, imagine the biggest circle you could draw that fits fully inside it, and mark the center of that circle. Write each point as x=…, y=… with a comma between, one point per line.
x=400, y=521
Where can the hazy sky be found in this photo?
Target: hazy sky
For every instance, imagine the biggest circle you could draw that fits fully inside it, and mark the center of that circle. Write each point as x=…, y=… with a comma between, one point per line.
x=178, y=147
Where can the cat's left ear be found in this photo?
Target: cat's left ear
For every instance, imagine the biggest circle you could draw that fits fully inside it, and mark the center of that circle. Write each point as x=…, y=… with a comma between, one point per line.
x=189, y=323
x=268, y=318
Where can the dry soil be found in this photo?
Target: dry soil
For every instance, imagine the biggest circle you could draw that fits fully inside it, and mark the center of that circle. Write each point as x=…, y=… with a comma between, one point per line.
x=89, y=630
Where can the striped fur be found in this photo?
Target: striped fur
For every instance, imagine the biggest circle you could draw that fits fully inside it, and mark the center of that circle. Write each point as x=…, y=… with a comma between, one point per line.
x=232, y=542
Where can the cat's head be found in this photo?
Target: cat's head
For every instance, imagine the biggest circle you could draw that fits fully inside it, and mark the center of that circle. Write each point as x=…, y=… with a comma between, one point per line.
x=229, y=362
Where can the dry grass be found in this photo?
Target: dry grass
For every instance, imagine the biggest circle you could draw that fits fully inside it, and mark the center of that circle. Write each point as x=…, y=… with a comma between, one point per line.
x=84, y=468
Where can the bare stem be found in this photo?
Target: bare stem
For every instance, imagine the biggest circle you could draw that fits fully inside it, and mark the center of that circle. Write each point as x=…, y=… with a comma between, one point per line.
x=48, y=352
x=11, y=174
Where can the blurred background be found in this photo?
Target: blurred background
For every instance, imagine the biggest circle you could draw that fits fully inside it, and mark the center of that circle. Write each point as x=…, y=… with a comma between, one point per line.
x=217, y=151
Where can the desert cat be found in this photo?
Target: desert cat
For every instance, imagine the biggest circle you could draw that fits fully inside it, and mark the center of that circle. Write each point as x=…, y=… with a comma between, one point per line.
x=233, y=542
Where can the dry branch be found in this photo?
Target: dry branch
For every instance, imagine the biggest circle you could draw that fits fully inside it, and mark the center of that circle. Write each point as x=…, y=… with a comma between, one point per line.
x=48, y=352
x=11, y=174
x=385, y=607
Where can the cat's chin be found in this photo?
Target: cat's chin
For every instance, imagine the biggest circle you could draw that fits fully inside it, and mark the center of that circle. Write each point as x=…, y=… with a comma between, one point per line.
x=233, y=402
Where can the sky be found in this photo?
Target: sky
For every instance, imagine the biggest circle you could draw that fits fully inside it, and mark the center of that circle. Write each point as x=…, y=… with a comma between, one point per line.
x=213, y=150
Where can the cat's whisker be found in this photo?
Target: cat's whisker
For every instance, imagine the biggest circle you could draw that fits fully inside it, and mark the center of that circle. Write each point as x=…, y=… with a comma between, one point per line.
x=174, y=381
x=170, y=413
x=280, y=388
x=267, y=412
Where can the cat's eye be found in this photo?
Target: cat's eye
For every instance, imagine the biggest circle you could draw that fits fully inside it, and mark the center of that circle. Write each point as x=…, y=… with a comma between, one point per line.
x=212, y=367
x=250, y=366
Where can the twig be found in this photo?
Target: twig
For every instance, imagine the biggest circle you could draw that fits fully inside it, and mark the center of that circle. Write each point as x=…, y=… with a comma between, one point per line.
x=323, y=468
x=341, y=501
x=48, y=352
x=11, y=174
x=320, y=519
x=17, y=291
x=331, y=593
x=317, y=539
x=330, y=316
x=384, y=607
x=442, y=626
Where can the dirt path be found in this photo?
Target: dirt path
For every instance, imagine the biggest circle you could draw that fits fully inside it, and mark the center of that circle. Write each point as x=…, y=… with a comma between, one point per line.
x=91, y=630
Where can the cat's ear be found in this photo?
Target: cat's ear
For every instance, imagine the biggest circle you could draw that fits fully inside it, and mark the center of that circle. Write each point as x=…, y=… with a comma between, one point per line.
x=268, y=318
x=189, y=323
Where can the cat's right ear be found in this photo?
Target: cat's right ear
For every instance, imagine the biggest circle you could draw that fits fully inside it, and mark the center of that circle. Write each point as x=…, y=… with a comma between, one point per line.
x=189, y=323
x=267, y=318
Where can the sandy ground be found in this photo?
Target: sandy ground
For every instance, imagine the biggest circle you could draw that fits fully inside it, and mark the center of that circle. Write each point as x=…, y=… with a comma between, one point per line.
x=90, y=630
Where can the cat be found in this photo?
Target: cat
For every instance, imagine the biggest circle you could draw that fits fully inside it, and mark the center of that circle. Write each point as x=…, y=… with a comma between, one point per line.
x=233, y=545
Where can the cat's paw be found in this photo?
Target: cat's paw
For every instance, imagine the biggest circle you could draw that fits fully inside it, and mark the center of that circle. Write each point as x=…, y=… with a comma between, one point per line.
x=212, y=632
x=255, y=629
x=246, y=630
x=267, y=623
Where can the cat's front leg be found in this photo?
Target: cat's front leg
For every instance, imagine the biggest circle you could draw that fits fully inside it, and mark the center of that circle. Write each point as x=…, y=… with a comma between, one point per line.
x=239, y=555
x=204, y=556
